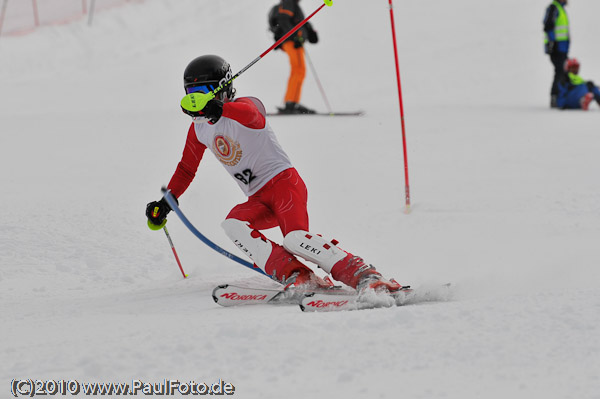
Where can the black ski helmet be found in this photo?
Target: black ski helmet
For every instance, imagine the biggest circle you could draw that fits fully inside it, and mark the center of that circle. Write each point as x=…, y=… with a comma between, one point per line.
x=210, y=71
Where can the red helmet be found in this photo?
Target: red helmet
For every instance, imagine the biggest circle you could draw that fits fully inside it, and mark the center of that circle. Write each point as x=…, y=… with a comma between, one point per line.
x=572, y=65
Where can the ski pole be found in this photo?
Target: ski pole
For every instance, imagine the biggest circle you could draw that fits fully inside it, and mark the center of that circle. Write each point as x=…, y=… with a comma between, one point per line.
x=406, y=185
x=91, y=14
x=314, y=72
x=3, y=14
x=174, y=252
x=173, y=204
x=200, y=99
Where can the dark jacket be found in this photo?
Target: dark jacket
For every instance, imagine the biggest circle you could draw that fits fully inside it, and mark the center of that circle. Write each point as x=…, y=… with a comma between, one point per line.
x=289, y=15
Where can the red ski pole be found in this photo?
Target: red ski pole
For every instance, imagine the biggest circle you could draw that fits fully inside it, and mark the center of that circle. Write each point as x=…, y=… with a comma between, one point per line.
x=2, y=14
x=174, y=252
x=406, y=185
x=200, y=99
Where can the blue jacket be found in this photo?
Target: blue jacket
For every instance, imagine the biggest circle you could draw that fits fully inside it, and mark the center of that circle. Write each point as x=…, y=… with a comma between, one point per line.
x=570, y=90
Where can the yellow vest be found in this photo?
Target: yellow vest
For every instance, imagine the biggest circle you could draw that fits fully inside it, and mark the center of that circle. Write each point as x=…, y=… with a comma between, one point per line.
x=575, y=79
x=561, y=27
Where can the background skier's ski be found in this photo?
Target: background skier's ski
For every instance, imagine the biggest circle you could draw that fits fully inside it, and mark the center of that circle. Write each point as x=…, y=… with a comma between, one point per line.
x=342, y=113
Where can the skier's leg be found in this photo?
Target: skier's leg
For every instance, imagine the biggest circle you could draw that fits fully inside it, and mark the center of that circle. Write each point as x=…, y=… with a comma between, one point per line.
x=272, y=258
x=558, y=61
x=342, y=265
x=297, y=72
x=573, y=98
x=287, y=197
x=259, y=216
x=244, y=221
x=595, y=91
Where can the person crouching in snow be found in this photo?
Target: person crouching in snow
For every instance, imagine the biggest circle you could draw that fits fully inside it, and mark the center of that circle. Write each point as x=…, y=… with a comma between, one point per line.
x=236, y=132
x=573, y=91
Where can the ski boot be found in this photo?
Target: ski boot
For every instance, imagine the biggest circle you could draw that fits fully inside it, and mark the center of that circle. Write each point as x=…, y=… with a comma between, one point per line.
x=292, y=108
x=585, y=101
x=353, y=271
x=270, y=257
x=292, y=273
x=301, y=109
x=341, y=265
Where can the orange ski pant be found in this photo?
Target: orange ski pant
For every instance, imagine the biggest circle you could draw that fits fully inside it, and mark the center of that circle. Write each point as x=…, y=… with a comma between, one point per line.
x=297, y=73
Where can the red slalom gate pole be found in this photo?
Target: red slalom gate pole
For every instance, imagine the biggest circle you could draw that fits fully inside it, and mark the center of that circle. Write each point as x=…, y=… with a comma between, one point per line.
x=36, y=15
x=3, y=14
x=174, y=252
x=406, y=184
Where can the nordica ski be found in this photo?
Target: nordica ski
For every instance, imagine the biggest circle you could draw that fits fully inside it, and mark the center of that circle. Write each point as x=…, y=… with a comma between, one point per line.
x=235, y=295
x=335, y=298
x=335, y=301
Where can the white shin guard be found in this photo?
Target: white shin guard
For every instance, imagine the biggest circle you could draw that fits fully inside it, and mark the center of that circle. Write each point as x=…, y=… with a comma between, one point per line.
x=250, y=241
x=314, y=249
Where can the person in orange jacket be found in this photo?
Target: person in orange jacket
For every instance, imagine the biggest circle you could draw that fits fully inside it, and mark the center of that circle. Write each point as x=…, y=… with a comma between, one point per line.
x=283, y=17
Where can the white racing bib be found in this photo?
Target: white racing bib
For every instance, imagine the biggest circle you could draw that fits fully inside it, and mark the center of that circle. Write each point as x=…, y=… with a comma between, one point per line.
x=251, y=156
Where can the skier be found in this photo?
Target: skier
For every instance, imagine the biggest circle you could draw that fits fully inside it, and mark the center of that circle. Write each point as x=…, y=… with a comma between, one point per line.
x=573, y=91
x=237, y=133
x=282, y=18
x=556, y=42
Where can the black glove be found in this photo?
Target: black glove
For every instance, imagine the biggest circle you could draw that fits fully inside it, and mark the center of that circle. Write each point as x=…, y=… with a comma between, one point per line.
x=312, y=36
x=194, y=114
x=298, y=41
x=550, y=47
x=213, y=110
x=591, y=86
x=157, y=211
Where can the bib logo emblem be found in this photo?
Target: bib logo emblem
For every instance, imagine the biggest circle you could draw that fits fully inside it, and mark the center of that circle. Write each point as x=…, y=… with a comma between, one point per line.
x=228, y=151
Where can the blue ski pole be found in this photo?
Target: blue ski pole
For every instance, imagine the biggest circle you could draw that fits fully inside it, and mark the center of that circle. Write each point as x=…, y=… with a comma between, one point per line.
x=173, y=204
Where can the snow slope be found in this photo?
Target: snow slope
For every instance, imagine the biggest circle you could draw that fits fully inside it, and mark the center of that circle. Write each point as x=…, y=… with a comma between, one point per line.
x=505, y=193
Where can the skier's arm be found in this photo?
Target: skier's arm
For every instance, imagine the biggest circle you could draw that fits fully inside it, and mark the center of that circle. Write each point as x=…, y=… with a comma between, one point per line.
x=187, y=167
x=245, y=112
x=550, y=21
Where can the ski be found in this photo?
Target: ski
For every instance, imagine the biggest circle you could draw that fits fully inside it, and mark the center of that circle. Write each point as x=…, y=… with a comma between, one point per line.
x=350, y=113
x=334, y=301
x=235, y=295
x=331, y=299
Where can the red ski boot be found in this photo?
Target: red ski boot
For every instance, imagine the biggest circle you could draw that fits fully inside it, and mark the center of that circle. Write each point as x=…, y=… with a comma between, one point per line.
x=353, y=271
x=288, y=270
x=586, y=101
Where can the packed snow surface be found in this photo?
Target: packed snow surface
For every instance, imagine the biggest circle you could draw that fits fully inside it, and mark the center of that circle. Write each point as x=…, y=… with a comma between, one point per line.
x=505, y=203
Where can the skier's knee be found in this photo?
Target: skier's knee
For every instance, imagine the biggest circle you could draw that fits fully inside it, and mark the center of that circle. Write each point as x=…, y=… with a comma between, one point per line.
x=314, y=248
x=236, y=229
x=250, y=241
x=590, y=86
